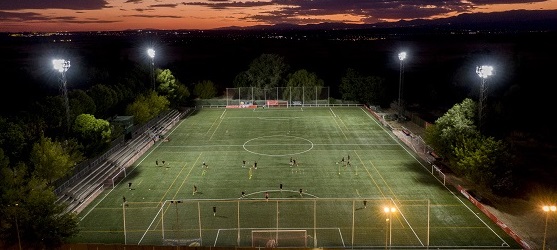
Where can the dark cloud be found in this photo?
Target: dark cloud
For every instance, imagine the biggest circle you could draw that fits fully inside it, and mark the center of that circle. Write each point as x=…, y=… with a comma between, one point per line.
x=155, y=16
x=53, y=4
x=33, y=17
x=163, y=5
x=485, y=2
x=11, y=16
x=370, y=11
x=223, y=4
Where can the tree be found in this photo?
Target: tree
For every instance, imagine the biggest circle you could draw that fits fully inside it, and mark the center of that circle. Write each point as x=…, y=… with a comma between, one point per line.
x=450, y=129
x=145, y=108
x=267, y=71
x=50, y=160
x=81, y=103
x=362, y=89
x=105, y=99
x=205, y=90
x=30, y=211
x=95, y=134
x=481, y=159
x=168, y=86
x=12, y=138
x=302, y=85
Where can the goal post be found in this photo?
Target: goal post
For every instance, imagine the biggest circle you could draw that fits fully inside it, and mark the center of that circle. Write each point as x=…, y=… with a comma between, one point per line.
x=279, y=238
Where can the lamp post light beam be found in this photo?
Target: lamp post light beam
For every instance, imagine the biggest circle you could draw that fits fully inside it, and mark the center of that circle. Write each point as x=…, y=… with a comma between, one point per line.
x=483, y=72
x=547, y=210
x=151, y=53
x=62, y=67
x=401, y=57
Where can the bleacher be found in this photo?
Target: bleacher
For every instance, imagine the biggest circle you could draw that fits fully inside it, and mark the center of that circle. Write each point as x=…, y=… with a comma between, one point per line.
x=92, y=180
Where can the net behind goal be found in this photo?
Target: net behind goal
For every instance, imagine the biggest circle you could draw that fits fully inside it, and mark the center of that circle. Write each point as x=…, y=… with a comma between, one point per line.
x=279, y=238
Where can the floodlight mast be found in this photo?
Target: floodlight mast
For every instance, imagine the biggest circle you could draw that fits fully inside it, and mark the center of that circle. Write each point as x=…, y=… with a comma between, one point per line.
x=401, y=57
x=483, y=72
x=151, y=53
x=547, y=210
x=62, y=66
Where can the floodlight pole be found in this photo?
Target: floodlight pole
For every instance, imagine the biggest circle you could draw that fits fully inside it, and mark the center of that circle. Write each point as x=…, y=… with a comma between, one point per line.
x=151, y=53
x=547, y=209
x=389, y=211
x=62, y=66
x=483, y=72
x=401, y=57
x=17, y=226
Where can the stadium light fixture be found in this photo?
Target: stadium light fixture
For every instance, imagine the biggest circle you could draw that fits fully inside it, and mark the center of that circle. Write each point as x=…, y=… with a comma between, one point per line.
x=547, y=210
x=389, y=211
x=483, y=72
x=151, y=54
x=401, y=57
x=62, y=66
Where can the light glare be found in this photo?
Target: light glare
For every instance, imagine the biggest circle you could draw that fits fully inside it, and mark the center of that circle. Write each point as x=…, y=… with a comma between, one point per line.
x=402, y=56
x=61, y=65
x=151, y=53
x=484, y=71
x=549, y=208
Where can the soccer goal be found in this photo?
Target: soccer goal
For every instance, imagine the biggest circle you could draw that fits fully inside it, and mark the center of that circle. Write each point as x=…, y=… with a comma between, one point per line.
x=437, y=171
x=279, y=238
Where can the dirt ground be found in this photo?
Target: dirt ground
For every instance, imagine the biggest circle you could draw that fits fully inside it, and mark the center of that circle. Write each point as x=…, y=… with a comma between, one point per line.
x=524, y=217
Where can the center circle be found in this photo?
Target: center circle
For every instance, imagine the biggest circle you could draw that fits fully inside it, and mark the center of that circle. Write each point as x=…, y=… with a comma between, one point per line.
x=278, y=145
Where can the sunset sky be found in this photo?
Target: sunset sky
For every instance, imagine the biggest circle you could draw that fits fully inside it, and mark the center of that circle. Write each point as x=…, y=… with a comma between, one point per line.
x=105, y=15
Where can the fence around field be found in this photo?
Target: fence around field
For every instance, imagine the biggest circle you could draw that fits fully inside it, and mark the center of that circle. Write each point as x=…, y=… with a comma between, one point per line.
x=326, y=223
x=291, y=96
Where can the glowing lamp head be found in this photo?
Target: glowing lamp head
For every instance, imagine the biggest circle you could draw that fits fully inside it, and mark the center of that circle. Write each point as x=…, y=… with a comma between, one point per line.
x=61, y=65
x=389, y=209
x=402, y=56
x=549, y=208
x=151, y=53
x=484, y=71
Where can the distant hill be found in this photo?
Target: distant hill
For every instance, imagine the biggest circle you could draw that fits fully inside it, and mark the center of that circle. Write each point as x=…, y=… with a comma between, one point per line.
x=515, y=20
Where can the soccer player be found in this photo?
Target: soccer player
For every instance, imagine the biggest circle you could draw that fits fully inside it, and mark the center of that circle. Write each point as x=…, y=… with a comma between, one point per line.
x=129, y=185
x=194, y=189
x=250, y=172
x=255, y=164
x=204, y=165
x=157, y=162
x=214, y=211
x=281, y=187
x=291, y=162
x=266, y=196
x=244, y=163
x=301, y=191
x=243, y=194
x=124, y=199
x=365, y=204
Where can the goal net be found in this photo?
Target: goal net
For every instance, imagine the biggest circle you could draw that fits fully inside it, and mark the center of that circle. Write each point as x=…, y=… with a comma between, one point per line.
x=279, y=238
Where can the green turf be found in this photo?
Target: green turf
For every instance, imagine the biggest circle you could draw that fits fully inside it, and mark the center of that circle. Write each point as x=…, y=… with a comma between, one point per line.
x=330, y=208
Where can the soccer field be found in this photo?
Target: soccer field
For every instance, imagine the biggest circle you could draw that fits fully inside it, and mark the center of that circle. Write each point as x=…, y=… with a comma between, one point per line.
x=194, y=189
